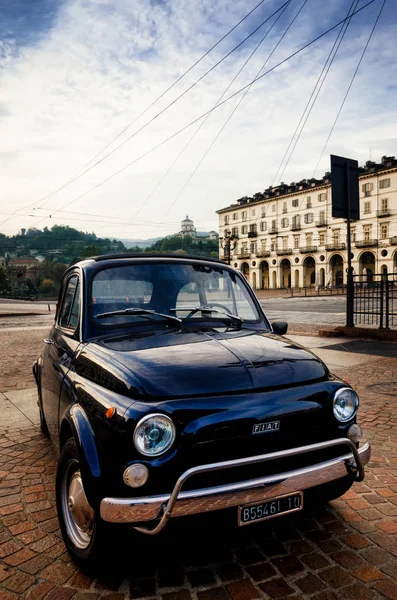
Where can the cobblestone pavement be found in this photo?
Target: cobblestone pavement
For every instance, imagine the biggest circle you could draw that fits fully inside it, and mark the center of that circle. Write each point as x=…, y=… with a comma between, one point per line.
x=345, y=550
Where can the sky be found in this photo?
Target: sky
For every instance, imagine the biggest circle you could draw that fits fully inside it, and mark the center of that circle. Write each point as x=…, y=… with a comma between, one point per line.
x=80, y=77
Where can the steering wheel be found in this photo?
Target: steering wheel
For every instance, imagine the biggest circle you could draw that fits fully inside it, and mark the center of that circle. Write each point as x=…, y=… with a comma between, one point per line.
x=222, y=306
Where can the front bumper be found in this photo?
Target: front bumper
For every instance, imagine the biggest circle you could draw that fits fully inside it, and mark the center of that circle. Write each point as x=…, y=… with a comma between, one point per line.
x=179, y=503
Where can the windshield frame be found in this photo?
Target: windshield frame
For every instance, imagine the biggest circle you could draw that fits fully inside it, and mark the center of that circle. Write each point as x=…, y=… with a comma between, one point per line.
x=95, y=329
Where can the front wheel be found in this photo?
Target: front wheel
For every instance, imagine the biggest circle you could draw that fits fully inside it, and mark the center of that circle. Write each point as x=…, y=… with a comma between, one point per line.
x=83, y=531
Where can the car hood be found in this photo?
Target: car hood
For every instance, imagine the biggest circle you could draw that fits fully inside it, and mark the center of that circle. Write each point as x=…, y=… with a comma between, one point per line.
x=171, y=364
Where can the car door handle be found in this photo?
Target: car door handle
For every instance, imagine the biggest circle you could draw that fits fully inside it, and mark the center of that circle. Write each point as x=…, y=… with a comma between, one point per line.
x=48, y=341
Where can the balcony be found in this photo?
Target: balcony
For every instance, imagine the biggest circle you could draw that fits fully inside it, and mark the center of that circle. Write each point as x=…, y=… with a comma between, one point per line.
x=284, y=251
x=366, y=243
x=383, y=212
x=335, y=246
x=321, y=223
x=393, y=240
x=296, y=227
x=307, y=249
x=252, y=234
x=273, y=230
x=243, y=255
x=262, y=253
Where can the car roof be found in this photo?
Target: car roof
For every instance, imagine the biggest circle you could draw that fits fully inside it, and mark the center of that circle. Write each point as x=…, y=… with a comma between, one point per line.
x=144, y=255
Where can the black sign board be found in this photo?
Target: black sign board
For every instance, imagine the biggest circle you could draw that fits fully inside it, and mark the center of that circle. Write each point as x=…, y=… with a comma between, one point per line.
x=345, y=190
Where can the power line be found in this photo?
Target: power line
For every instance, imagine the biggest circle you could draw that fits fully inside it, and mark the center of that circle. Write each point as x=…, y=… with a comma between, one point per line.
x=214, y=108
x=319, y=83
x=232, y=112
x=162, y=111
x=207, y=117
x=350, y=85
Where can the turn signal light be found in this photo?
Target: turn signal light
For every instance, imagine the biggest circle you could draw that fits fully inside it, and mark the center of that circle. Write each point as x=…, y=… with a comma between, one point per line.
x=110, y=412
x=136, y=475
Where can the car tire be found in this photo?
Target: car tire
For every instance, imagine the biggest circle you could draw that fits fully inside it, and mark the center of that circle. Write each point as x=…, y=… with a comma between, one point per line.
x=85, y=534
x=43, y=422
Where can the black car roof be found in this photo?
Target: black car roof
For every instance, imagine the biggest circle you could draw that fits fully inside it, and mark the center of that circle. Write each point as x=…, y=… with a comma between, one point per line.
x=154, y=255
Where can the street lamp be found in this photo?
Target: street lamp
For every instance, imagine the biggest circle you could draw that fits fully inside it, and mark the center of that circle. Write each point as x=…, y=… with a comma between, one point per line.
x=228, y=243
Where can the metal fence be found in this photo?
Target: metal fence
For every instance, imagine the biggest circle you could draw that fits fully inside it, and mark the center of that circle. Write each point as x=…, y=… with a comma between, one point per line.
x=375, y=300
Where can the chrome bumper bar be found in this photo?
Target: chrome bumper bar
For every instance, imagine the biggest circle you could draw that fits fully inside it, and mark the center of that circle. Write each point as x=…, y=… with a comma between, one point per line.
x=179, y=503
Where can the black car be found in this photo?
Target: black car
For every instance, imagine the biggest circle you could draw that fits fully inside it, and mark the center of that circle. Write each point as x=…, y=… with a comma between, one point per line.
x=168, y=393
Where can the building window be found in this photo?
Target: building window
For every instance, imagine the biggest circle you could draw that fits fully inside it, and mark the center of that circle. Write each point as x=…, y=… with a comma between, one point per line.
x=353, y=234
x=322, y=197
x=384, y=183
x=263, y=213
x=226, y=219
x=384, y=231
x=321, y=217
x=295, y=202
x=367, y=188
x=308, y=218
x=225, y=232
x=253, y=247
x=284, y=222
x=244, y=215
x=367, y=207
x=321, y=239
x=367, y=232
x=285, y=209
x=235, y=231
x=309, y=202
x=296, y=241
x=244, y=229
x=273, y=245
x=253, y=228
x=336, y=236
x=384, y=202
x=263, y=244
x=309, y=239
x=285, y=243
x=263, y=226
x=273, y=208
x=235, y=216
x=296, y=221
x=274, y=225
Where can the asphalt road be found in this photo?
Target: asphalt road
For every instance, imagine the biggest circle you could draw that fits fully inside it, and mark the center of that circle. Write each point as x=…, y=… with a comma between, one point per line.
x=325, y=304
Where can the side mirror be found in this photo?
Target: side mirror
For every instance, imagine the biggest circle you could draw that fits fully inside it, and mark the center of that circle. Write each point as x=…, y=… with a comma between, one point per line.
x=280, y=327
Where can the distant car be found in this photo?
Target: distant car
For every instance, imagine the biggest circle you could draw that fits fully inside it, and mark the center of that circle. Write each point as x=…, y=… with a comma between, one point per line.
x=167, y=393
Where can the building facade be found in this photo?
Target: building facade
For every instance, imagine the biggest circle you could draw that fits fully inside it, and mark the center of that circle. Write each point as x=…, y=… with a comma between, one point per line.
x=286, y=237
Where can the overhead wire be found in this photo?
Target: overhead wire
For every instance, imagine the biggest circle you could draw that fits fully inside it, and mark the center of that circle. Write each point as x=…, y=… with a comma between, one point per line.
x=232, y=113
x=149, y=106
x=203, y=122
x=163, y=110
x=128, y=165
x=350, y=85
x=314, y=95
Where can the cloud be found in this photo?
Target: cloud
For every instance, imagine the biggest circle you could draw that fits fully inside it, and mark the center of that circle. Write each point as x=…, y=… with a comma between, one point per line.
x=70, y=82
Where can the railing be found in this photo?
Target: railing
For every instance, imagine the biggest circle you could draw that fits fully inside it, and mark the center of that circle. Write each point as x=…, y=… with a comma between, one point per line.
x=318, y=291
x=393, y=240
x=375, y=300
x=262, y=254
x=306, y=249
x=273, y=230
x=383, y=212
x=321, y=223
x=252, y=234
x=335, y=246
x=296, y=227
x=366, y=243
x=284, y=251
x=244, y=255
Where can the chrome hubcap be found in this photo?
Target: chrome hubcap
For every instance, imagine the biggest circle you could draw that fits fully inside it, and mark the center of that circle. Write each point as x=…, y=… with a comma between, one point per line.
x=78, y=514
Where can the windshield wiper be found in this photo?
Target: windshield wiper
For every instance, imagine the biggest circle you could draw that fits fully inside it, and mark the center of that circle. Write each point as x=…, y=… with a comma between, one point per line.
x=207, y=309
x=138, y=312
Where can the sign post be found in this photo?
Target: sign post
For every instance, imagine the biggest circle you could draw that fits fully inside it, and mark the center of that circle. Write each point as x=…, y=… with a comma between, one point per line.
x=346, y=205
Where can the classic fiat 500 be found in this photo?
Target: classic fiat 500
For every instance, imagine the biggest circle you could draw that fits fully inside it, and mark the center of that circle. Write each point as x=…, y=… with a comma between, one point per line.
x=168, y=393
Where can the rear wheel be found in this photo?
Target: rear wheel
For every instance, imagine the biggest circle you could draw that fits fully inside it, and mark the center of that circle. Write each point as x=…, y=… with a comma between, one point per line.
x=43, y=423
x=84, y=533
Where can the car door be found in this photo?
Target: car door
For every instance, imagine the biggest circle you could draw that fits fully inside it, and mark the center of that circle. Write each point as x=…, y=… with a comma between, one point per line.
x=59, y=351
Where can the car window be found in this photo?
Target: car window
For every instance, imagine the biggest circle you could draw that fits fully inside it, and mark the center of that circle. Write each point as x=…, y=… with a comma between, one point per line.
x=71, y=304
x=188, y=296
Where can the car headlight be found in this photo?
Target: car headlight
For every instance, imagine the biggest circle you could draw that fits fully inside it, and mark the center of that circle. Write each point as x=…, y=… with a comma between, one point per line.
x=345, y=404
x=154, y=435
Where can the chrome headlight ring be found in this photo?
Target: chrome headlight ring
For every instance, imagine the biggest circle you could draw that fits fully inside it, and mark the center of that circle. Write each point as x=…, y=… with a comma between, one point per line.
x=154, y=434
x=345, y=404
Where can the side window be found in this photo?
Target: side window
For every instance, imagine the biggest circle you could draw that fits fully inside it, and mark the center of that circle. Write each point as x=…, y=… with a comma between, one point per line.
x=69, y=313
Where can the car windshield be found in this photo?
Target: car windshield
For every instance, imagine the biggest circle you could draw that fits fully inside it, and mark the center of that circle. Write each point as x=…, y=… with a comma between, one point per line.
x=182, y=290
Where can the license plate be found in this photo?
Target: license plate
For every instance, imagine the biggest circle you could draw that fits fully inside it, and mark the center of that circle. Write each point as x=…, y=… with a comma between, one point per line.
x=252, y=513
